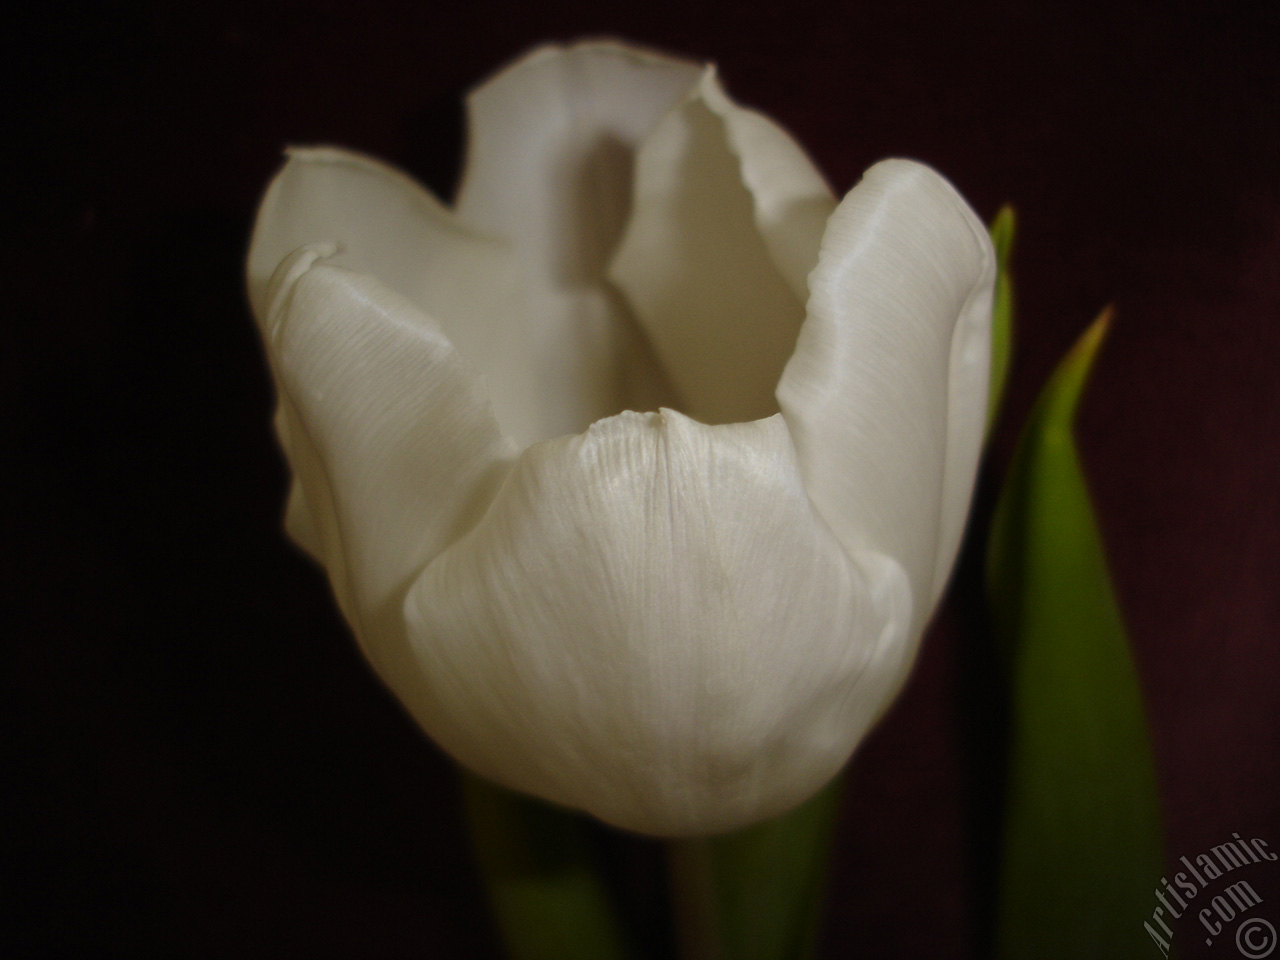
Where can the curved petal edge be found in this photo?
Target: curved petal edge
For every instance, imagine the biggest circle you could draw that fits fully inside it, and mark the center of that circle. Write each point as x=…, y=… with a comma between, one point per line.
x=652, y=624
x=886, y=391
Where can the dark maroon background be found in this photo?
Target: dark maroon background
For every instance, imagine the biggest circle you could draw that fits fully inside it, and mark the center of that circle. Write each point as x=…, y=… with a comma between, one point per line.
x=204, y=767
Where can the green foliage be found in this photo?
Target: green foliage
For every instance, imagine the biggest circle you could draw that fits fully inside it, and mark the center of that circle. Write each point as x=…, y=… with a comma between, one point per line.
x=1002, y=232
x=539, y=871
x=767, y=882
x=1082, y=843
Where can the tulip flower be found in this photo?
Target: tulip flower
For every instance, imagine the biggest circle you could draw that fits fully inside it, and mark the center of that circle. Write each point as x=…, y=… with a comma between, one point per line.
x=638, y=471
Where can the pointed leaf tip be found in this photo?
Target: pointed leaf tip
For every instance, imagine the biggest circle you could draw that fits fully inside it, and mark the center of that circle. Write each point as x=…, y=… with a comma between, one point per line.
x=1082, y=840
x=1092, y=338
x=1003, y=229
x=1002, y=232
x=1061, y=397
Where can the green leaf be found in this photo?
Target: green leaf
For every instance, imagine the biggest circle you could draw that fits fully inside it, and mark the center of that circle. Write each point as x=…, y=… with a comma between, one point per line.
x=1002, y=232
x=756, y=894
x=538, y=868
x=1082, y=843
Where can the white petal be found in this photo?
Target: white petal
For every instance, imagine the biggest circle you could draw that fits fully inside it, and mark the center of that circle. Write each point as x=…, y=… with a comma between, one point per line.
x=726, y=221
x=652, y=624
x=886, y=392
x=791, y=199
x=389, y=435
x=386, y=224
x=554, y=359
x=550, y=149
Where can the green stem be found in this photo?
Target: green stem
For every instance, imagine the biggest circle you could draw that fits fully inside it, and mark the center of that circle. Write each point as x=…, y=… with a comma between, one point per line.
x=693, y=892
x=755, y=894
x=539, y=871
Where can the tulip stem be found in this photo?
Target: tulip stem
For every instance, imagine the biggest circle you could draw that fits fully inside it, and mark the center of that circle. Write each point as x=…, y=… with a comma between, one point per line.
x=693, y=894
x=545, y=892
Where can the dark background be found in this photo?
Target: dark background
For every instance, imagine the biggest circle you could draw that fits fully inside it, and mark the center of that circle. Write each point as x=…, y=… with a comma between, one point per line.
x=202, y=766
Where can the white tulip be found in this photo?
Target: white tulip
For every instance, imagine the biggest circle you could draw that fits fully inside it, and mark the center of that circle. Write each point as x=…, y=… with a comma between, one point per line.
x=681, y=622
